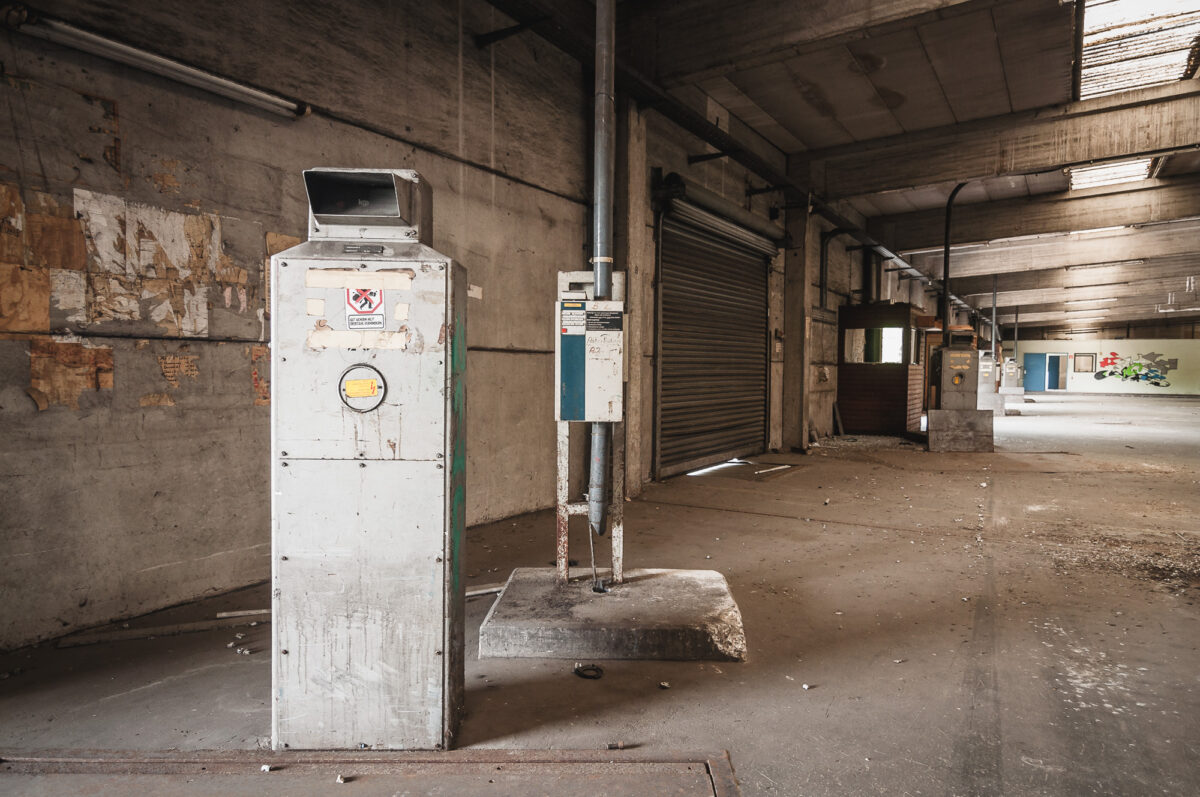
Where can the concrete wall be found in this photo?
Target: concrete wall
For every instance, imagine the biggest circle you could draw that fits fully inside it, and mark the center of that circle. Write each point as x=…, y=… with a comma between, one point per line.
x=1178, y=361
x=137, y=214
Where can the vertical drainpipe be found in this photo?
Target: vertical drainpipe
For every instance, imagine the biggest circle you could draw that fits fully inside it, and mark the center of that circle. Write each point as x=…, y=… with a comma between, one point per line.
x=995, y=278
x=604, y=145
x=1017, y=334
x=946, y=268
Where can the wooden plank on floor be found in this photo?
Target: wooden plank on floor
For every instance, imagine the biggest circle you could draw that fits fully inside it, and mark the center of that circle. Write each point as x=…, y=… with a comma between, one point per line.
x=563, y=773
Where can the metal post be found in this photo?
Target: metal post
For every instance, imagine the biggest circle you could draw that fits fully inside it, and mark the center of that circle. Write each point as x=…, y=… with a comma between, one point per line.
x=993, y=335
x=562, y=516
x=1016, y=334
x=946, y=341
x=604, y=145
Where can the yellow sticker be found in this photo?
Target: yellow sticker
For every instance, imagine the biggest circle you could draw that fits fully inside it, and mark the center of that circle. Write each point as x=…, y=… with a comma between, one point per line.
x=361, y=388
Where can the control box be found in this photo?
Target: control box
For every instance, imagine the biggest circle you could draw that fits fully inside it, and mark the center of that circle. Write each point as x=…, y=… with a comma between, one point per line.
x=958, y=378
x=368, y=340
x=589, y=349
x=589, y=366
x=1010, y=375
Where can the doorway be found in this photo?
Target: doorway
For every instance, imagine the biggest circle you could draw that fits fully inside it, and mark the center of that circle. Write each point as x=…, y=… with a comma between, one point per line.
x=1056, y=371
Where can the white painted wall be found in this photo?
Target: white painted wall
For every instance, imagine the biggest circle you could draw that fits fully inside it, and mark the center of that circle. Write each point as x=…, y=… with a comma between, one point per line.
x=1183, y=380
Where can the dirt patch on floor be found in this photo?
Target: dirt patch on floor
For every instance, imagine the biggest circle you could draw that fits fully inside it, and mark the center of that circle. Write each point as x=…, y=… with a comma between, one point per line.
x=1174, y=565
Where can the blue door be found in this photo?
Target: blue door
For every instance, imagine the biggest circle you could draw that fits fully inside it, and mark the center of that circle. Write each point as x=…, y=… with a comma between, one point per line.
x=1035, y=373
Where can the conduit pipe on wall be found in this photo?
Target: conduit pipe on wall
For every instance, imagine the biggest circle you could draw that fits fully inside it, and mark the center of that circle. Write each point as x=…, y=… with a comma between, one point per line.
x=603, y=147
x=20, y=18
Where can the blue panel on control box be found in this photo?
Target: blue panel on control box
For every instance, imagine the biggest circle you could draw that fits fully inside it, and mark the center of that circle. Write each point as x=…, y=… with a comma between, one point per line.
x=573, y=379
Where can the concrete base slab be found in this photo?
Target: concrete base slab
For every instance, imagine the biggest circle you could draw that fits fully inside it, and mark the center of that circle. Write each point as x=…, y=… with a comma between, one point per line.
x=960, y=430
x=680, y=615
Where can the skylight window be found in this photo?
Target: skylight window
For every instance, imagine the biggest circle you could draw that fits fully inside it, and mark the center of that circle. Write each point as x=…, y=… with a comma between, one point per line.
x=1110, y=173
x=1132, y=44
x=1127, y=45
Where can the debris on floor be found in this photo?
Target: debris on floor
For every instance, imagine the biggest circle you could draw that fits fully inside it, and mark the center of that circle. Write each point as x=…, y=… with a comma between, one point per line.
x=590, y=671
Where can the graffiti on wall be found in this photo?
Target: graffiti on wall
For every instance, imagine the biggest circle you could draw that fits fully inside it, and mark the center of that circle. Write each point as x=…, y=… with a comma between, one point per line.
x=1150, y=368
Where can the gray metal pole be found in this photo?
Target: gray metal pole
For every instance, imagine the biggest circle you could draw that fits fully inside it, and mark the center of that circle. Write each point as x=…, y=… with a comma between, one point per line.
x=994, y=282
x=1016, y=334
x=603, y=147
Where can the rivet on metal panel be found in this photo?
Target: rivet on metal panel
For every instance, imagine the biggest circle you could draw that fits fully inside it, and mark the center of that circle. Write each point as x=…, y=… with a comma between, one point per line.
x=439, y=467
x=283, y=264
x=285, y=464
x=362, y=265
x=283, y=453
x=438, y=559
x=361, y=464
x=283, y=558
x=283, y=652
x=437, y=653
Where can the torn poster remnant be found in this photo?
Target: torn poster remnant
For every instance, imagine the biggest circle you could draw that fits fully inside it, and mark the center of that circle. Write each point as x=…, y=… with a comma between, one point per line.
x=61, y=371
x=176, y=366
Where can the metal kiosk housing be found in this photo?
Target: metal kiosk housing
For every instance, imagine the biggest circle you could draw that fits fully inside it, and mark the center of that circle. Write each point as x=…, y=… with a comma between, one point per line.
x=368, y=471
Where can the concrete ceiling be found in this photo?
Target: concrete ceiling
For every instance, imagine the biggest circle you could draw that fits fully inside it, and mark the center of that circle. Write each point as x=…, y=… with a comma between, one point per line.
x=888, y=104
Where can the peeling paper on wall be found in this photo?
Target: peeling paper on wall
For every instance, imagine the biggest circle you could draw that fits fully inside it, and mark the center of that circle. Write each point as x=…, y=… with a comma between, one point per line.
x=103, y=218
x=176, y=366
x=60, y=371
x=156, y=400
x=68, y=295
x=260, y=357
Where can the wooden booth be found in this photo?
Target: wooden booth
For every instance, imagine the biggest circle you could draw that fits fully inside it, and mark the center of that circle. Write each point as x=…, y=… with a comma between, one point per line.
x=881, y=368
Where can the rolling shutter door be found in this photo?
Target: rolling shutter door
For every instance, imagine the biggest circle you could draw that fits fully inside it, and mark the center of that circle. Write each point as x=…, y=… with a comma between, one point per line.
x=713, y=342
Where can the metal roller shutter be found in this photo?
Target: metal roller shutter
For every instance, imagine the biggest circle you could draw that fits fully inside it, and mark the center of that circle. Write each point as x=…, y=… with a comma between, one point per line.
x=713, y=343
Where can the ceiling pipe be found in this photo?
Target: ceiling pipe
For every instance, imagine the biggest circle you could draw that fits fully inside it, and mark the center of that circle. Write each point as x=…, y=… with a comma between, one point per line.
x=946, y=337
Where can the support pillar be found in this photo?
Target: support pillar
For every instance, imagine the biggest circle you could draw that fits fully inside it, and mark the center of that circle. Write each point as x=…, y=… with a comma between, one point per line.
x=796, y=282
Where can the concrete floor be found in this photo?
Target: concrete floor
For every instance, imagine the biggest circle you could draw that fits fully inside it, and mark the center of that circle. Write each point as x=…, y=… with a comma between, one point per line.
x=1023, y=622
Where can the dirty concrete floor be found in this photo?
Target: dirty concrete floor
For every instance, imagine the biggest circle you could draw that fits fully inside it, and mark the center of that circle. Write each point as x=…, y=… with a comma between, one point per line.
x=1023, y=622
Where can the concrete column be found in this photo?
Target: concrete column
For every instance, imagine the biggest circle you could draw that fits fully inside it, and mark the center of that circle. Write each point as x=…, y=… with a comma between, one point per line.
x=796, y=281
x=775, y=324
x=634, y=247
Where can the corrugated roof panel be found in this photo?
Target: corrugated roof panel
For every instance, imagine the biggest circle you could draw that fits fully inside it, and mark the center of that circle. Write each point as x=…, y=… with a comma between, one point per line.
x=1131, y=44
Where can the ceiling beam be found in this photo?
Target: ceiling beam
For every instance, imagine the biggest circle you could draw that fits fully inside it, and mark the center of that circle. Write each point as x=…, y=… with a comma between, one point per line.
x=1142, y=123
x=1079, y=320
x=700, y=39
x=1084, y=251
x=1082, y=279
x=1126, y=204
x=1154, y=291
